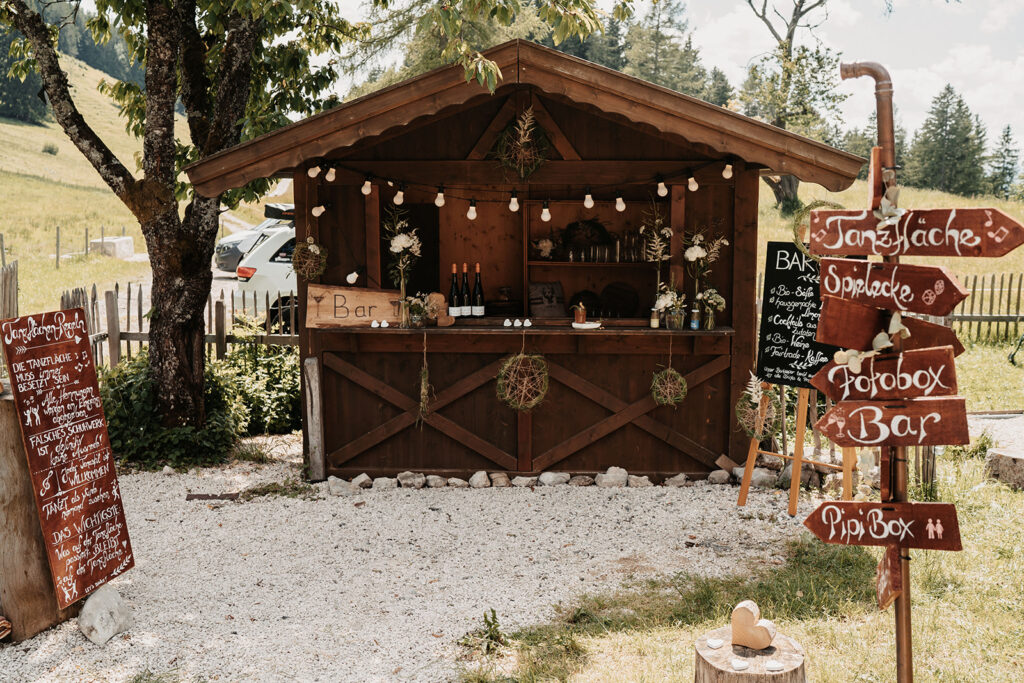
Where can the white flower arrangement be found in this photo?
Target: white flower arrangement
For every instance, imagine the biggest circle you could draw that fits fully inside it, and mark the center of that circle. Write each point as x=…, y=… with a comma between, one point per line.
x=545, y=246
x=712, y=300
x=695, y=252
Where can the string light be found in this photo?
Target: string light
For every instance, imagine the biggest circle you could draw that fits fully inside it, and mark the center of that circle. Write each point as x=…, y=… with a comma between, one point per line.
x=352, y=277
x=313, y=171
x=692, y=184
x=513, y=203
x=319, y=210
x=471, y=214
x=727, y=171
x=400, y=195
x=620, y=205
x=545, y=213
x=662, y=188
x=588, y=200
x=367, y=187
x=439, y=199
x=331, y=174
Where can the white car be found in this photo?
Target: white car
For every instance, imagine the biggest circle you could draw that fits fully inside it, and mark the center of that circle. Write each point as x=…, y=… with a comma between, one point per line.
x=265, y=272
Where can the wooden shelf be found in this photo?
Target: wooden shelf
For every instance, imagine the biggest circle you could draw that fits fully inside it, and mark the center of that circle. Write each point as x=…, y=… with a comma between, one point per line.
x=587, y=264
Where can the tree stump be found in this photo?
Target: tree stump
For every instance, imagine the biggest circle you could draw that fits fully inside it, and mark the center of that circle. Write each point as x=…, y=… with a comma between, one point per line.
x=716, y=665
x=27, y=598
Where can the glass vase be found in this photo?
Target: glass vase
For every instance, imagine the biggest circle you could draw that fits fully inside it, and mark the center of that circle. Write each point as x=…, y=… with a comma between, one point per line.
x=405, y=321
x=709, y=319
x=676, y=320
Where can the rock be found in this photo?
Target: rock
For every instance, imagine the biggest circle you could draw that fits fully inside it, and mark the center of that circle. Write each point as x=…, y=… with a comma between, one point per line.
x=480, y=480
x=770, y=462
x=554, y=478
x=499, y=480
x=1006, y=466
x=436, y=482
x=719, y=477
x=763, y=478
x=363, y=481
x=457, y=483
x=678, y=480
x=167, y=469
x=637, y=482
x=872, y=476
x=581, y=480
x=863, y=493
x=412, y=480
x=737, y=473
x=340, y=487
x=808, y=475
x=385, y=483
x=613, y=478
x=104, y=615
x=524, y=481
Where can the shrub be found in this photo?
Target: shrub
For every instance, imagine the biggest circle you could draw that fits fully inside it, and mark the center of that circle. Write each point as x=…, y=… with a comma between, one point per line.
x=268, y=381
x=137, y=435
x=51, y=149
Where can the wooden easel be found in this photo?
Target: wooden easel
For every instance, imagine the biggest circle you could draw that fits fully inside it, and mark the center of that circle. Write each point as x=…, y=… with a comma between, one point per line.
x=849, y=456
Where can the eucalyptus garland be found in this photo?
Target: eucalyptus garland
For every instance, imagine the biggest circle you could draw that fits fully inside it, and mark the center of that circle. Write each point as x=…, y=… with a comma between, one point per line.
x=668, y=387
x=523, y=381
x=309, y=260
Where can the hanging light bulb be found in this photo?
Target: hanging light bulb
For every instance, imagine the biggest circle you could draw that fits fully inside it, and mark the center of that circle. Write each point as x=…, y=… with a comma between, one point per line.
x=588, y=200
x=352, y=277
x=620, y=205
x=367, y=187
x=692, y=184
x=727, y=171
x=513, y=203
x=471, y=214
x=400, y=195
x=439, y=199
x=662, y=187
x=331, y=174
x=545, y=213
x=313, y=171
x=319, y=210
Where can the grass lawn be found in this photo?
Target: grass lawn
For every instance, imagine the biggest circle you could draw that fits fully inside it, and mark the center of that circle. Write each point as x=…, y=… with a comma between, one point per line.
x=968, y=609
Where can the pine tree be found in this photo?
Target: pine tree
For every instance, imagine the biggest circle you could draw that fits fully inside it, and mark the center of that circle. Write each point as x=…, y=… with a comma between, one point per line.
x=660, y=50
x=718, y=91
x=948, y=152
x=1004, y=165
x=859, y=141
x=19, y=97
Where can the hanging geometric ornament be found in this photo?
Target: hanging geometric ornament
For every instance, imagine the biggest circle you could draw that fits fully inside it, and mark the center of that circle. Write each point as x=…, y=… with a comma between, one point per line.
x=668, y=387
x=523, y=381
x=309, y=259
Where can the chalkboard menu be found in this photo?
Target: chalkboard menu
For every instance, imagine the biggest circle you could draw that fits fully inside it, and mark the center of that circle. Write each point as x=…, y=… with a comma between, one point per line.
x=53, y=380
x=790, y=305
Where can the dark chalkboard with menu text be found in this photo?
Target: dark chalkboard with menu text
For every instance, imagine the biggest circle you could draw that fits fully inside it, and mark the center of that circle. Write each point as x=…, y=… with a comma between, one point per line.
x=790, y=305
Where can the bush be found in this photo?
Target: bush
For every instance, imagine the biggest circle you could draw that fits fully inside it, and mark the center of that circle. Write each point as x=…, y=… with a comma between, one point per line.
x=137, y=435
x=268, y=381
x=50, y=148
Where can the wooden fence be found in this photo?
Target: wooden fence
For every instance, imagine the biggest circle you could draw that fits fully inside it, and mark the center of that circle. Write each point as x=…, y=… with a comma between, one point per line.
x=8, y=300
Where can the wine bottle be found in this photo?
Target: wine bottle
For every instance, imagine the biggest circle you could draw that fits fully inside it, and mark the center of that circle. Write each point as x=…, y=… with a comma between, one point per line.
x=454, y=302
x=464, y=295
x=478, y=295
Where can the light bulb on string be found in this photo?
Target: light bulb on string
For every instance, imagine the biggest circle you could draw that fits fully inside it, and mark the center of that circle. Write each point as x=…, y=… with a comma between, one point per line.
x=588, y=200
x=692, y=184
x=620, y=205
x=319, y=210
x=352, y=277
x=727, y=171
x=331, y=174
x=471, y=214
x=400, y=195
x=313, y=171
x=439, y=199
x=662, y=187
x=545, y=213
x=513, y=203
x=367, y=187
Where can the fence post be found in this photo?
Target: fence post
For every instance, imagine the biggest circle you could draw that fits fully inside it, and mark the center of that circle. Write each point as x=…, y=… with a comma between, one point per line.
x=314, y=417
x=218, y=328
x=113, y=328
x=124, y=231
x=58, y=247
x=87, y=240
x=3, y=252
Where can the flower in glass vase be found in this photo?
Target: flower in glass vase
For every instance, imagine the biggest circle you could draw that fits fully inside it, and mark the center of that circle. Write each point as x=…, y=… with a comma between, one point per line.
x=404, y=245
x=699, y=252
x=712, y=302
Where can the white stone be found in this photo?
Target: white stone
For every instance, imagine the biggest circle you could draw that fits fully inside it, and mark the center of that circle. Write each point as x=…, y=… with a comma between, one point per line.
x=739, y=664
x=340, y=487
x=122, y=248
x=412, y=480
x=480, y=480
x=581, y=480
x=613, y=478
x=808, y=476
x=500, y=480
x=524, y=481
x=737, y=473
x=457, y=483
x=167, y=469
x=719, y=477
x=762, y=478
x=436, y=482
x=638, y=482
x=715, y=643
x=677, y=481
x=363, y=481
x=1006, y=466
x=385, y=483
x=554, y=478
x=104, y=615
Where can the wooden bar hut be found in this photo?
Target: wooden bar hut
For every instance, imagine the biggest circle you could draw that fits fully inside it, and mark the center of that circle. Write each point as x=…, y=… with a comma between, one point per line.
x=610, y=136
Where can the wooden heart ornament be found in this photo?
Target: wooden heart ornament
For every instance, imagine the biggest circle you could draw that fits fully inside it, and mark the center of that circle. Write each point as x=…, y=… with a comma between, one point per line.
x=749, y=629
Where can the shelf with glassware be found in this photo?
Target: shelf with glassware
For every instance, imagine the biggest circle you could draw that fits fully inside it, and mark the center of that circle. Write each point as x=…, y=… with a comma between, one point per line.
x=588, y=253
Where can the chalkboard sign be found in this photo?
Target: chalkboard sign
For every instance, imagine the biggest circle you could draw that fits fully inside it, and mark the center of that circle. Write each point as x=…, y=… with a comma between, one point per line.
x=790, y=305
x=53, y=380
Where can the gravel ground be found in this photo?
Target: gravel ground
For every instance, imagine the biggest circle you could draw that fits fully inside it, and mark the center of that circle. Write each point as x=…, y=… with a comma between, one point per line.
x=382, y=585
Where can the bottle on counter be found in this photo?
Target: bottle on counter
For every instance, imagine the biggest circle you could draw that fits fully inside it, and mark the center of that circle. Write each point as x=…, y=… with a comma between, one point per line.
x=478, y=295
x=465, y=298
x=454, y=298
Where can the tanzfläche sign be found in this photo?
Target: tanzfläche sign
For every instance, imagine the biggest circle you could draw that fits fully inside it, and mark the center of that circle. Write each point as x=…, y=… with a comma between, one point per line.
x=920, y=232
x=918, y=422
x=931, y=290
x=929, y=526
x=911, y=374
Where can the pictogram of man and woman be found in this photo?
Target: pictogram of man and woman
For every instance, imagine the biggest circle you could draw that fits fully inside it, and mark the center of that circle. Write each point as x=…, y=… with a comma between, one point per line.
x=934, y=528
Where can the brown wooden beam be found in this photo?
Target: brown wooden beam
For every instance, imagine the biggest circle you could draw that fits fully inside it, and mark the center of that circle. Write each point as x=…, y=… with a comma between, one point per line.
x=486, y=140
x=558, y=139
x=372, y=222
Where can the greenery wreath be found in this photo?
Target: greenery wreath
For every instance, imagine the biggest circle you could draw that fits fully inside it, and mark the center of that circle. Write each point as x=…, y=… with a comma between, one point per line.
x=668, y=387
x=523, y=146
x=747, y=413
x=309, y=259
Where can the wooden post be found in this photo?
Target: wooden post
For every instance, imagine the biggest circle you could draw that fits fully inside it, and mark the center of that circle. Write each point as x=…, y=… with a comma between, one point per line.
x=113, y=328
x=87, y=240
x=849, y=458
x=715, y=665
x=3, y=252
x=27, y=597
x=218, y=328
x=803, y=396
x=314, y=419
x=58, y=248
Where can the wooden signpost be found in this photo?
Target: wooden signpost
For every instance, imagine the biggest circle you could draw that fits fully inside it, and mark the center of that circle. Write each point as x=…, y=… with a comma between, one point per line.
x=350, y=306
x=888, y=579
x=911, y=374
x=931, y=290
x=64, y=432
x=918, y=232
x=853, y=326
x=927, y=526
x=916, y=422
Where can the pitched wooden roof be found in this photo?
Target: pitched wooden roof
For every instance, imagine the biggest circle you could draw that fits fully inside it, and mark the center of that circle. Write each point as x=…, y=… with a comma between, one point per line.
x=551, y=72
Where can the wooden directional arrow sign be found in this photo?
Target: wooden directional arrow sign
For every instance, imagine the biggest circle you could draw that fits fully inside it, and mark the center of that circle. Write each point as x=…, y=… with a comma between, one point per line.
x=921, y=232
x=851, y=325
x=931, y=290
x=917, y=422
x=888, y=578
x=929, y=526
x=912, y=374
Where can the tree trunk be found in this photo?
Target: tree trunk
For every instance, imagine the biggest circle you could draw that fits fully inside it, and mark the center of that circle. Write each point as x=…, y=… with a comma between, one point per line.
x=785, y=190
